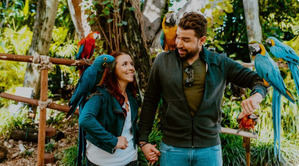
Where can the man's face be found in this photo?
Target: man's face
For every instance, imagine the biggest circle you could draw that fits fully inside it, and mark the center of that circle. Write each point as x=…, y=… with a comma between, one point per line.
x=187, y=43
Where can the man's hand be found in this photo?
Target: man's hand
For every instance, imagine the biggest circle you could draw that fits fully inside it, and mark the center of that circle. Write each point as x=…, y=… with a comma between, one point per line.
x=151, y=153
x=122, y=143
x=250, y=104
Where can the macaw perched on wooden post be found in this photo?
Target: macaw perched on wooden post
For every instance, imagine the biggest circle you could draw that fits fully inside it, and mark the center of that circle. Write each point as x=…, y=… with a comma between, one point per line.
x=168, y=35
x=280, y=50
x=86, y=48
x=92, y=76
x=268, y=70
x=247, y=123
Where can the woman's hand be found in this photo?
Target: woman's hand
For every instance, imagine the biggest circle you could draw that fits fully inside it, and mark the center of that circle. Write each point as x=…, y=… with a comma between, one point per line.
x=122, y=143
x=151, y=153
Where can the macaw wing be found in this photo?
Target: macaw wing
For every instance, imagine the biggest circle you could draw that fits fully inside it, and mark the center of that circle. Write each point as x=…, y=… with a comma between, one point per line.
x=91, y=51
x=85, y=84
x=268, y=70
x=295, y=73
x=277, y=52
x=294, y=58
x=162, y=40
x=286, y=53
x=81, y=48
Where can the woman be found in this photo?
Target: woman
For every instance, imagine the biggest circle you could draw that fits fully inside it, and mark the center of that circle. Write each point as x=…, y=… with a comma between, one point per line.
x=109, y=117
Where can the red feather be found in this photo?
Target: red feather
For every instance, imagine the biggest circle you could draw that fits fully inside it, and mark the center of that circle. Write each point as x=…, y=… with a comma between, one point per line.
x=89, y=45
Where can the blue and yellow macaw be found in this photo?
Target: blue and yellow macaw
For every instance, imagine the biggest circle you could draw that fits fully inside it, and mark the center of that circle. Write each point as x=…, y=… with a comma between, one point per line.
x=280, y=50
x=168, y=35
x=88, y=81
x=86, y=48
x=268, y=70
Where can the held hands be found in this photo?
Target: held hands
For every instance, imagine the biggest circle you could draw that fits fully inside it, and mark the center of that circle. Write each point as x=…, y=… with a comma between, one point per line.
x=250, y=104
x=151, y=153
x=122, y=143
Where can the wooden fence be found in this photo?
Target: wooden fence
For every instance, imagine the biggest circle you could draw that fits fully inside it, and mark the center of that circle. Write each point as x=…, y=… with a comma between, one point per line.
x=45, y=62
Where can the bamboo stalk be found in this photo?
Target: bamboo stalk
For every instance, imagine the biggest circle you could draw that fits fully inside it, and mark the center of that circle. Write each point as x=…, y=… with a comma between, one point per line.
x=238, y=132
x=52, y=105
x=28, y=58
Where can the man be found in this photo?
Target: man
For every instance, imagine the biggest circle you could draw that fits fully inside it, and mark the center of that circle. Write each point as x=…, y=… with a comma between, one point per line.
x=191, y=82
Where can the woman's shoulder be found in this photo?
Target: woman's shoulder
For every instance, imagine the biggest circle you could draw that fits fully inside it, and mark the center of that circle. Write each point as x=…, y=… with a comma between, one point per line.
x=100, y=92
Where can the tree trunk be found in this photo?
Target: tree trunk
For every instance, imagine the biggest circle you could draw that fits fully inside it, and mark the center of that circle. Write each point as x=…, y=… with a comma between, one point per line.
x=42, y=35
x=134, y=41
x=152, y=12
x=122, y=29
x=191, y=5
x=254, y=30
x=79, y=18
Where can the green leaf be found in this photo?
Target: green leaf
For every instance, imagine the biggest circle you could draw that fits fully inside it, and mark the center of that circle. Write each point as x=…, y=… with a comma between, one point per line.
x=132, y=9
x=124, y=22
x=109, y=20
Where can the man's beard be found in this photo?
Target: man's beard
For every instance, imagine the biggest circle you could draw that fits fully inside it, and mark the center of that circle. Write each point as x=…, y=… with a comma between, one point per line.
x=190, y=54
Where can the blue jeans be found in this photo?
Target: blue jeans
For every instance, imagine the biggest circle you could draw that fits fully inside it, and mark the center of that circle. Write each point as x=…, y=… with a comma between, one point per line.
x=175, y=156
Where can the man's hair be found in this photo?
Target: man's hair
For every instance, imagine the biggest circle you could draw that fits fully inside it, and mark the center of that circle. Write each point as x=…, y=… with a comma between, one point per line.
x=195, y=21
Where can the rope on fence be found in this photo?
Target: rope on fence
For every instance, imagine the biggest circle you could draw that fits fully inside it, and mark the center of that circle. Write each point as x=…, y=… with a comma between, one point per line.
x=44, y=104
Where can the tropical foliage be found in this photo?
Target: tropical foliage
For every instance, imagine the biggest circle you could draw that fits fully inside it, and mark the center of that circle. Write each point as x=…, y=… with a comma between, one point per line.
x=227, y=33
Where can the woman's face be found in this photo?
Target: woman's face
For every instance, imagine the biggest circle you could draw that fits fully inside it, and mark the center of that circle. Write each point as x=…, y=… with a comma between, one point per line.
x=124, y=68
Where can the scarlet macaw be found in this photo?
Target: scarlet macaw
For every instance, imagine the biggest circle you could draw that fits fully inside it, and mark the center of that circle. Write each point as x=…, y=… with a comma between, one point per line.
x=88, y=81
x=86, y=48
x=248, y=122
x=280, y=50
x=168, y=35
x=268, y=70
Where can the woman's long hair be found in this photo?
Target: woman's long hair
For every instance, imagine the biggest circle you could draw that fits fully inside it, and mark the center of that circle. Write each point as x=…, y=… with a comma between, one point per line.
x=111, y=82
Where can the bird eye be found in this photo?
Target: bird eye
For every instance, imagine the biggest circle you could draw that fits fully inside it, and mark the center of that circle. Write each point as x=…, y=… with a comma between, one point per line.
x=105, y=58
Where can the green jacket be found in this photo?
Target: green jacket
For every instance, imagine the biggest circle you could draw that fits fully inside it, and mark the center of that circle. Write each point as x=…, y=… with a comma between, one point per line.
x=102, y=119
x=179, y=128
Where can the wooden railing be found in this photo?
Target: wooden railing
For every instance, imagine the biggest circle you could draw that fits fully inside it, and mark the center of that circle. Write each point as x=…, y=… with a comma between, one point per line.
x=44, y=103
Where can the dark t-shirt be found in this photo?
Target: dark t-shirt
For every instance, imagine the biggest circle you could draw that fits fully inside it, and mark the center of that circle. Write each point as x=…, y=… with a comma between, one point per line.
x=194, y=93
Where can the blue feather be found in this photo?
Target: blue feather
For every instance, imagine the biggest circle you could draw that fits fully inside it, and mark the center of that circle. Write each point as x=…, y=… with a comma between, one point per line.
x=78, y=55
x=284, y=51
x=88, y=81
x=288, y=54
x=295, y=73
x=276, y=101
x=162, y=40
x=268, y=70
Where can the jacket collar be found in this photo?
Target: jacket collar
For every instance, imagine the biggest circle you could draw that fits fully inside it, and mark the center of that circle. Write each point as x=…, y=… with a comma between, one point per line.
x=208, y=56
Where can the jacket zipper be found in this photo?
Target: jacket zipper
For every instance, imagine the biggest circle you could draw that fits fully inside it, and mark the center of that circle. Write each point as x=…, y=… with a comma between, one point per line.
x=192, y=118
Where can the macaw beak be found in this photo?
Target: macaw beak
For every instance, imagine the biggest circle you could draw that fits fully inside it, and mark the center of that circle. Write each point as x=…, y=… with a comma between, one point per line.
x=270, y=42
x=170, y=20
x=97, y=36
x=254, y=49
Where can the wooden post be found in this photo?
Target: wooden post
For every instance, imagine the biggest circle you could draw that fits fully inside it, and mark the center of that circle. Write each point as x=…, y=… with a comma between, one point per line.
x=42, y=118
x=28, y=58
x=52, y=105
x=246, y=145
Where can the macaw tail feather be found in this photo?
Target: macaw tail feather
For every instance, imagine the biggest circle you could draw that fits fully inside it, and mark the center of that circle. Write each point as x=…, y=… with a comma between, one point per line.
x=71, y=111
x=295, y=73
x=73, y=108
x=276, y=98
x=81, y=148
x=290, y=96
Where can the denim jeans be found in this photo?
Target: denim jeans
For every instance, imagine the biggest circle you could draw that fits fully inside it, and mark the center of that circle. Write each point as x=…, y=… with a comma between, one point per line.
x=175, y=156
